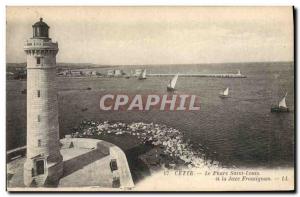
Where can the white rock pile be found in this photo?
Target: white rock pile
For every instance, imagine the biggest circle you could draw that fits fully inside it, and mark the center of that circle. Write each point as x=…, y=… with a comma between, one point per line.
x=169, y=139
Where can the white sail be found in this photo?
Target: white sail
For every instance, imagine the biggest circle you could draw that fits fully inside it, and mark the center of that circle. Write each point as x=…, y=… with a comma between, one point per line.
x=282, y=103
x=226, y=92
x=144, y=74
x=239, y=72
x=173, y=82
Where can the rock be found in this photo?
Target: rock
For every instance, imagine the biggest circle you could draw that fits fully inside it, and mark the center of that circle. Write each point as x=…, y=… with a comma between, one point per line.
x=169, y=140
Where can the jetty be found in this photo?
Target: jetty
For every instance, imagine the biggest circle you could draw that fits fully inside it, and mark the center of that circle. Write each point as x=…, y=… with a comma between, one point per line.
x=200, y=75
x=15, y=153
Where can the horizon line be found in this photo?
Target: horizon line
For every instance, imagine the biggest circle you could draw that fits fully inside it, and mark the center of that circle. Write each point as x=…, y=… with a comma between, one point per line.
x=289, y=61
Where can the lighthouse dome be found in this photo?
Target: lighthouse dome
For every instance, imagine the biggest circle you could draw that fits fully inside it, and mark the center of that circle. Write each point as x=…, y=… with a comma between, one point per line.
x=40, y=29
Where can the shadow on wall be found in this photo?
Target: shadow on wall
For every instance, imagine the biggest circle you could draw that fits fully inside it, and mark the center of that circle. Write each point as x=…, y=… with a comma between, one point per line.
x=82, y=160
x=138, y=168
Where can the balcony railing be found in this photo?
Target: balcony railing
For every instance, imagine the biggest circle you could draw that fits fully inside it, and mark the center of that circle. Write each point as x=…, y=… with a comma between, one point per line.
x=40, y=43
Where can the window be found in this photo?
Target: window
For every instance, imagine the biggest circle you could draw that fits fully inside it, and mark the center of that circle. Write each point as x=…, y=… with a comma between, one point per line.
x=38, y=60
x=39, y=143
x=38, y=32
x=116, y=182
x=32, y=172
x=39, y=118
x=40, y=167
x=38, y=93
x=113, y=165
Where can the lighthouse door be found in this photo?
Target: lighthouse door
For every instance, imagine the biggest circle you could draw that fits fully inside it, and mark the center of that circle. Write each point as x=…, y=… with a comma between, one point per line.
x=40, y=167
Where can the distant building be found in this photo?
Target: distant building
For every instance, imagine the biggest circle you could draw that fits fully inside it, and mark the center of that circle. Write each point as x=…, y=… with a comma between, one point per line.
x=137, y=72
x=87, y=72
x=63, y=73
x=76, y=73
x=110, y=73
x=10, y=75
x=118, y=72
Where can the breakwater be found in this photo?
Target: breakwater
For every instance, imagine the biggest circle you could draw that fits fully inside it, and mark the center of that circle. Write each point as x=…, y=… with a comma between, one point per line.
x=200, y=75
x=172, y=149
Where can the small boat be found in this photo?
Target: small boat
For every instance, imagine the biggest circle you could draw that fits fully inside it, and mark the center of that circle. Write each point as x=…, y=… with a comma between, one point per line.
x=143, y=75
x=225, y=93
x=281, y=107
x=239, y=72
x=172, y=83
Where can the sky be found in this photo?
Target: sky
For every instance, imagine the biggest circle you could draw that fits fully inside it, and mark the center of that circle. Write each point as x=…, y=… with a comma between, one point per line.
x=156, y=35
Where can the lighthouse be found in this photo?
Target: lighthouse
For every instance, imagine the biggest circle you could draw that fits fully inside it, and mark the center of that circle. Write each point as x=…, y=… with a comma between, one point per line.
x=44, y=163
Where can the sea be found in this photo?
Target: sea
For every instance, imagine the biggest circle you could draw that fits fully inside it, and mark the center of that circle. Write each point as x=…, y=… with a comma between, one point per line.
x=239, y=131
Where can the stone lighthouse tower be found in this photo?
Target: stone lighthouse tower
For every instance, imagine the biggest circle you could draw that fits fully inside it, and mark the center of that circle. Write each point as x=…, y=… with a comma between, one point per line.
x=43, y=164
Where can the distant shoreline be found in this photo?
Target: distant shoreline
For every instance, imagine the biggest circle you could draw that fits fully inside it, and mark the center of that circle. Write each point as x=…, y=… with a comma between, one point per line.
x=92, y=65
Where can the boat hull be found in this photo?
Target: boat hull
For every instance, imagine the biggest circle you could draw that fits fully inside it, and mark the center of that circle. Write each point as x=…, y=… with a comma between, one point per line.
x=142, y=78
x=279, y=109
x=223, y=96
x=169, y=89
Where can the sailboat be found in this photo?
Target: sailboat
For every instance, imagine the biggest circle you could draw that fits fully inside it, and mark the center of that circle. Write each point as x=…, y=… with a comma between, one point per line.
x=143, y=75
x=172, y=83
x=239, y=72
x=225, y=93
x=281, y=107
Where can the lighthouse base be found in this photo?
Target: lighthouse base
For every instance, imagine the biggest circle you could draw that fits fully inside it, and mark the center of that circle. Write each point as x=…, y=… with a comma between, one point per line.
x=40, y=173
x=87, y=164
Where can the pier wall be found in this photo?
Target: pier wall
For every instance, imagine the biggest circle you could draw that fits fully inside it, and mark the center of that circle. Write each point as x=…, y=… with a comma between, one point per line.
x=115, y=153
x=199, y=75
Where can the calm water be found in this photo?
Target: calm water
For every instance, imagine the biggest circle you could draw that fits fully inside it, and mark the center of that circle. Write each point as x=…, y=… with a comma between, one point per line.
x=238, y=131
